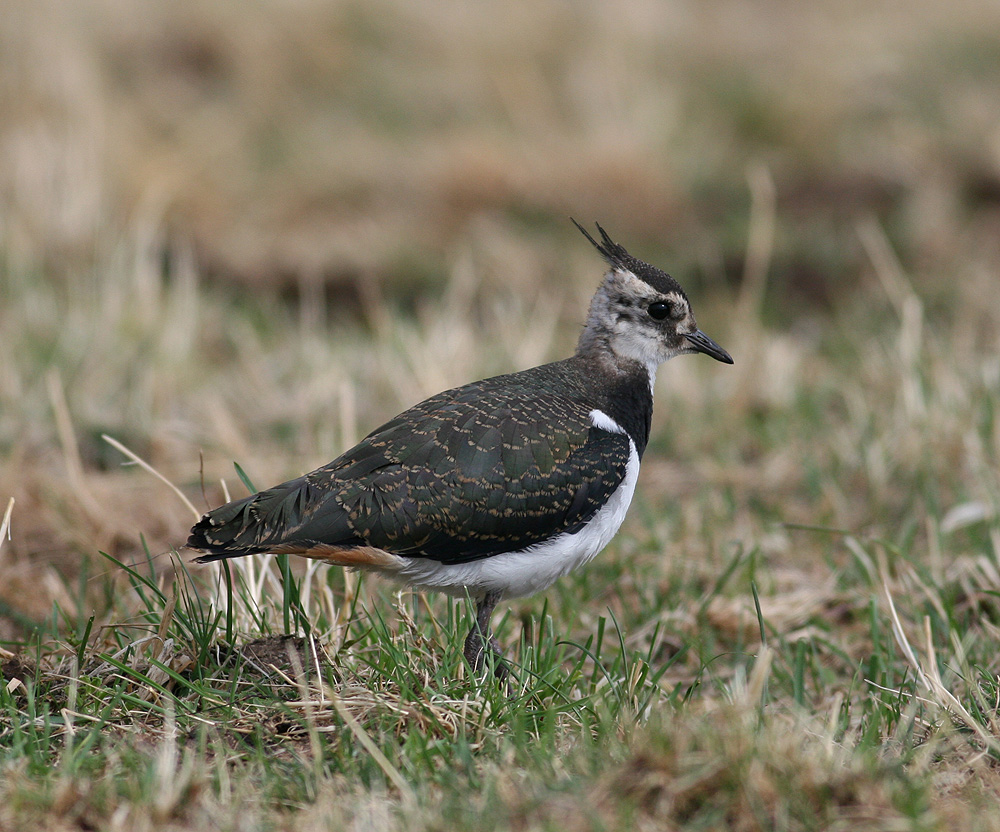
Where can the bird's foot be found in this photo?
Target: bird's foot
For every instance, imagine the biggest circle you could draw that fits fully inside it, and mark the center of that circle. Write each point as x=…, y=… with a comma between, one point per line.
x=476, y=647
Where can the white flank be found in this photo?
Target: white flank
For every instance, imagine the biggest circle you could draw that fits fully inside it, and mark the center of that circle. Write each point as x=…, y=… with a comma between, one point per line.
x=530, y=570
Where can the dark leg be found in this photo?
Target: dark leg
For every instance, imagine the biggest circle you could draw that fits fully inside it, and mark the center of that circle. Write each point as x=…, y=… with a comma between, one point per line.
x=480, y=639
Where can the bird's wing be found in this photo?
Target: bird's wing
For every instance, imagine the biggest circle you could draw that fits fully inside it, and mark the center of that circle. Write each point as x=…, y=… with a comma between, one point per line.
x=468, y=482
x=448, y=480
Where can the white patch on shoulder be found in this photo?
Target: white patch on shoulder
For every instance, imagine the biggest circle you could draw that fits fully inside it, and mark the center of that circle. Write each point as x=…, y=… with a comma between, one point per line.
x=600, y=419
x=530, y=570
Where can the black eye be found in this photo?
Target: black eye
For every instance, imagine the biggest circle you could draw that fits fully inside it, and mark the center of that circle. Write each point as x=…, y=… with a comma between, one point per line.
x=659, y=310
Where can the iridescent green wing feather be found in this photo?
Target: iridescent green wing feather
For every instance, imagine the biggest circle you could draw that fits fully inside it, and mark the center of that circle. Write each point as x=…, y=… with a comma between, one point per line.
x=456, y=482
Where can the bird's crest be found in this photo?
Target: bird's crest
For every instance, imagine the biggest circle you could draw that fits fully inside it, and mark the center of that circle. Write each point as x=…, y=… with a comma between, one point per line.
x=618, y=258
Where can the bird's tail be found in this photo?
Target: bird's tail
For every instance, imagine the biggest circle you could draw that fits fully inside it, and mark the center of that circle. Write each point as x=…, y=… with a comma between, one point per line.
x=230, y=531
x=292, y=518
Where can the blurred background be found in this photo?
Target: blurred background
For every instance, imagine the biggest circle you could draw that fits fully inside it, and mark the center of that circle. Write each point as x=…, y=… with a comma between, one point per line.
x=253, y=231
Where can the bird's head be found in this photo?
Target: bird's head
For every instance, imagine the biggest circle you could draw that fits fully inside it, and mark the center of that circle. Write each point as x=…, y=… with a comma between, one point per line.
x=641, y=313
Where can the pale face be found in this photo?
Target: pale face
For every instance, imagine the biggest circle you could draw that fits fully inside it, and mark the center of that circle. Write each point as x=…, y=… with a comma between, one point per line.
x=643, y=324
x=640, y=313
x=635, y=321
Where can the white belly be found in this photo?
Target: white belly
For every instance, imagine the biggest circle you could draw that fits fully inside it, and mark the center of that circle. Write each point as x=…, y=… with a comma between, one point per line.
x=530, y=570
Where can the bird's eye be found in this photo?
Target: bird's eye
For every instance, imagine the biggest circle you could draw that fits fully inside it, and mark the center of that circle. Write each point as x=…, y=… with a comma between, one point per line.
x=659, y=310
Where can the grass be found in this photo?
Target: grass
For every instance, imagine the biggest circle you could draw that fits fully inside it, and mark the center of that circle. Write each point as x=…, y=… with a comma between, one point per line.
x=795, y=629
x=165, y=719
x=869, y=698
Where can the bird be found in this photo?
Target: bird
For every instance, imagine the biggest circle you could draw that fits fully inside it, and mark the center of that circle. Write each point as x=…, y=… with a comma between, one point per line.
x=495, y=489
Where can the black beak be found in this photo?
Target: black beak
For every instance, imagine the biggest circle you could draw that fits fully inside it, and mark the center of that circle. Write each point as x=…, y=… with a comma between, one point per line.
x=700, y=342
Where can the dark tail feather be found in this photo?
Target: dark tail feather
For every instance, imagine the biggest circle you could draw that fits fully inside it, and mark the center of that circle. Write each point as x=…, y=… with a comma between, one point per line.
x=217, y=556
x=225, y=532
x=290, y=517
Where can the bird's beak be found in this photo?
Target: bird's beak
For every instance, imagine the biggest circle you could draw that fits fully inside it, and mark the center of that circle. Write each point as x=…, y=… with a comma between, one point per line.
x=700, y=342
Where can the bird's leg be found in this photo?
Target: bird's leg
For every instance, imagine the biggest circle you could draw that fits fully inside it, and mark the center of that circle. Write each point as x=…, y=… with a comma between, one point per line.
x=480, y=639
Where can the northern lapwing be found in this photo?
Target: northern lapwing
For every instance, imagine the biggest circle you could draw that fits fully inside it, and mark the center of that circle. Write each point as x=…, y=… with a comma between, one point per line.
x=495, y=489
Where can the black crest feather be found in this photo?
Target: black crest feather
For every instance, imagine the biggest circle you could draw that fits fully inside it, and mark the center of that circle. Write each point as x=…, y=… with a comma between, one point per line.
x=613, y=252
x=619, y=258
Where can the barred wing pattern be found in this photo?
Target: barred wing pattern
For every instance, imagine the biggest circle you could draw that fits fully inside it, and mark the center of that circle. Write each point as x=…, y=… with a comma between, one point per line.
x=446, y=480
